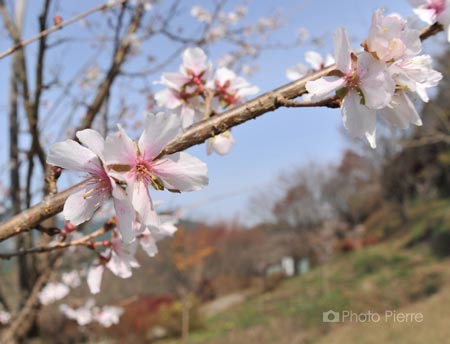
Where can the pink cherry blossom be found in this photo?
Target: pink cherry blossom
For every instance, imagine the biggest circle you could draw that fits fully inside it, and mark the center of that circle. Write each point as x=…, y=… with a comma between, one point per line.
x=184, y=88
x=221, y=144
x=150, y=235
x=314, y=59
x=137, y=164
x=401, y=112
x=88, y=158
x=230, y=88
x=53, y=292
x=119, y=259
x=390, y=37
x=82, y=315
x=201, y=14
x=71, y=279
x=108, y=315
x=415, y=74
x=365, y=82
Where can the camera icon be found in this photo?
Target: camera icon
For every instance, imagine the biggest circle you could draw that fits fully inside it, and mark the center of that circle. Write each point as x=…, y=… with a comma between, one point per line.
x=330, y=316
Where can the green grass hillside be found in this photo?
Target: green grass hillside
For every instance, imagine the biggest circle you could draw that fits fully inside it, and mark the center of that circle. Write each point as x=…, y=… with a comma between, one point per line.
x=402, y=274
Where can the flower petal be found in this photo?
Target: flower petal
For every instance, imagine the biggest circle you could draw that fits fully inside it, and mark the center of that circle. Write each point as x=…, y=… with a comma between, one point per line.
x=195, y=60
x=159, y=130
x=188, y=115
x=221, y=144
x=175, y=80
x=342, y=50
x=148, y=244
x=323, y=86
x=81, y=205
x=94, y=278
x=182, y=172
x=71, y=155
x=93, y=140
x=168, y=98
x=376, y=83
x=296, y=72
x=142, y=203
x=402, y=113
x=314, y=59
x=120, y=149
x=358, y=119
x=125, y=217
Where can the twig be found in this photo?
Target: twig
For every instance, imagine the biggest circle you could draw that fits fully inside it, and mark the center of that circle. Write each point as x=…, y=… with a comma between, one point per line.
x=209, y=95
x=117, y=62
x=60, y=26
x=84, y=241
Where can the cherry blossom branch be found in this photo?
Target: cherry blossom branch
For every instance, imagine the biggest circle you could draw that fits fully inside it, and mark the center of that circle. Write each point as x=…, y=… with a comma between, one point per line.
x=59, y=26
x=84, y=241
x=33, y=216
x=196, y=134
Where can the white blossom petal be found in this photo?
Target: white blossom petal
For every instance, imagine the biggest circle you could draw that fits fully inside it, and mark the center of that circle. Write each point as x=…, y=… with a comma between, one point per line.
x=314, y=59
x=324, y=86
x=81, y=205
x=93, y=140
x=142, y=203
x=120, y=149
x=195, y=60
x=71, y=155
x=182, y=172
x=168, y=98
x=401, y=112
x=94, y=278
x=342, y=50
x=358, y=119
x=159, y=130
x=376, y=83
x=221, y=144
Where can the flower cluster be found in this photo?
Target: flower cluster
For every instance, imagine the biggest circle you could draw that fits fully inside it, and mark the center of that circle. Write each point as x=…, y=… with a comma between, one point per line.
x=106, y=316
x=122, y=169
x=315, y=60
x=53, y=292
x=379, y=80
x=197, y=93
x=119, y=257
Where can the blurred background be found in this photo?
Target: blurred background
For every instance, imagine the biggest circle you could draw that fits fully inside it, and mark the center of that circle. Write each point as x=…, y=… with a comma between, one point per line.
x=298, y=219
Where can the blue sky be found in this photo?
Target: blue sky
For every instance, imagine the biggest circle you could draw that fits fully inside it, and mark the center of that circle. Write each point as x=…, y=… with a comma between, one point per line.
x=275, y=142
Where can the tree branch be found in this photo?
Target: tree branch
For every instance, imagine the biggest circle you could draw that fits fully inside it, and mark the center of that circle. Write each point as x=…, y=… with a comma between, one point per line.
x=20, y=45
x=84, y=241
x=30, y=218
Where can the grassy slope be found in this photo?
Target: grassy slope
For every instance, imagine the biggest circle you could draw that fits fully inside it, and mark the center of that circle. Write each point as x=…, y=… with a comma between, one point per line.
x=383, y=277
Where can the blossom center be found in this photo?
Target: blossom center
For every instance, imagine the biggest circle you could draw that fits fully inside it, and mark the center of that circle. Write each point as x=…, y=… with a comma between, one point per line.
x=100, y=184
x=437, y=5
x=144, y=172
